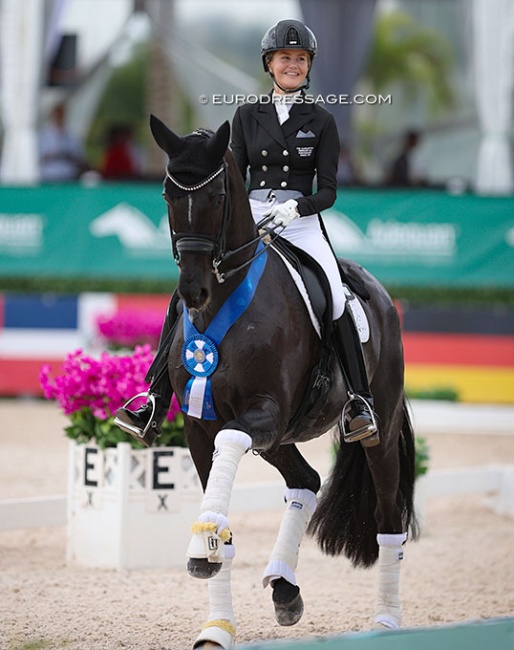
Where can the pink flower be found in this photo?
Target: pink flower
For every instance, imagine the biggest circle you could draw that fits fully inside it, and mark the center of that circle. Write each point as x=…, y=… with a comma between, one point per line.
x=130, y=327
x=102, y=384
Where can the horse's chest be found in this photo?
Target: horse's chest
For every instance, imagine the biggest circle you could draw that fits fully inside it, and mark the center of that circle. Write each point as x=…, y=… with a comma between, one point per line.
x=243, y=361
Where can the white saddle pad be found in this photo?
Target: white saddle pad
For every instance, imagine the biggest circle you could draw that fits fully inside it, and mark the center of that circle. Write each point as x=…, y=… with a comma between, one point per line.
x=358, y=313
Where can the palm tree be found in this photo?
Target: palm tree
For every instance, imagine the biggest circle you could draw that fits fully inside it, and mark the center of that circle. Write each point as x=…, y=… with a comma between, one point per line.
x=417, y=60
x=414, y=66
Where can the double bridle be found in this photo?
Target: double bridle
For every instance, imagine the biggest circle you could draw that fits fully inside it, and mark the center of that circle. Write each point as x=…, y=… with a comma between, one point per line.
x=216, y=244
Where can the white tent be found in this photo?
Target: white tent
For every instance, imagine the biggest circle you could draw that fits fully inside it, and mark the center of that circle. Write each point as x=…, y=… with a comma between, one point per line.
x=28, y=31
x=493, y=59
x=21, y=59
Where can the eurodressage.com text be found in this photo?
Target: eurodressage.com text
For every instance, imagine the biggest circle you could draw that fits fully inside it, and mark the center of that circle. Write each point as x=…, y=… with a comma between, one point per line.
x=296, y=99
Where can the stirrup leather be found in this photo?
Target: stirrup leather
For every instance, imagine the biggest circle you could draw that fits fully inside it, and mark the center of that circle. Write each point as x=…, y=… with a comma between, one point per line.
x=363, y=432
x=132, y=429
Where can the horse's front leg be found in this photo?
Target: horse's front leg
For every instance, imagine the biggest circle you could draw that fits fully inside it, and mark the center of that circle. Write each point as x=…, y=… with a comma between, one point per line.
x=210, y=551
x=211, y=532
x=303, y=482
x=220, y=629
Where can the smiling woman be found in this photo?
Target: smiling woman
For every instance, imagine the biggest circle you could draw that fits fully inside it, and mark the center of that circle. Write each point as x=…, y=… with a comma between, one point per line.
x=289, y=68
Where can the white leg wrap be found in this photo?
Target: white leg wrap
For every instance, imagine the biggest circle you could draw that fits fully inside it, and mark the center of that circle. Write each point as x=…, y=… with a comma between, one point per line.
x=221, y=625
x=300, y=507
x=388, y=610
x=230, y=446
x=212, y=529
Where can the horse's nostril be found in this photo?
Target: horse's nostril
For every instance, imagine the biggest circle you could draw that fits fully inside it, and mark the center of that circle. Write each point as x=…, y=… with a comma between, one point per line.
x=195, y=299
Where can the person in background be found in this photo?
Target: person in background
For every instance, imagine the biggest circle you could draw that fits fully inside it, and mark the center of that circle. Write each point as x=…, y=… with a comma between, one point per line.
x=61, y=154
x=120, y=161
x=347, y=173
x=403, y=171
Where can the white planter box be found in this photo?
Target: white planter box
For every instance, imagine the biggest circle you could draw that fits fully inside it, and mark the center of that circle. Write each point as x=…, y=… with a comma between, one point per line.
x=130, y=508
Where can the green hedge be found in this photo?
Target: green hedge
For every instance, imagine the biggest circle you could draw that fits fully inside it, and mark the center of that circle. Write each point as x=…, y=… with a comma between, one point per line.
x=449, y=295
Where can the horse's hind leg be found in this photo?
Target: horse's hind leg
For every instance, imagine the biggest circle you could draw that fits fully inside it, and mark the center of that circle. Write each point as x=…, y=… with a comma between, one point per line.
x=386, y=469
x=220, y=629
x=300, y=497
x=388, y=612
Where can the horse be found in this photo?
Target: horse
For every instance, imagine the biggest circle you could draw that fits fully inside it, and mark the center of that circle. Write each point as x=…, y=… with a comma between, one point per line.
x=239, y=363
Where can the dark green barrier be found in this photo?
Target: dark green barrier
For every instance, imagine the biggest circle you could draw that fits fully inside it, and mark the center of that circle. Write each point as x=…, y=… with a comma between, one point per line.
x=413, y=239
x=497, y=634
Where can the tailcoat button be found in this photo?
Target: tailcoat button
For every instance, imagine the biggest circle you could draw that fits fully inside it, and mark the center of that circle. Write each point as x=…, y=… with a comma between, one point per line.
x=262, y=183
x=283, y=184
x=264, y=152
x=285, y=152
x=264, y=168
x=285, y=168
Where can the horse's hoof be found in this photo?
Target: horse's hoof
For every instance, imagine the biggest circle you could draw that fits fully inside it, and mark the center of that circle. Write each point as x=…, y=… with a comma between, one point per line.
x=216, y=634
x=386, y=622
x=202, y=568
x=288, y=602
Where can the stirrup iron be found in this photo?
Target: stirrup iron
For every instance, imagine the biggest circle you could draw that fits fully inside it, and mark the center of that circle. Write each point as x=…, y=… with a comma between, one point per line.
x=367, y=431
x=134, y=430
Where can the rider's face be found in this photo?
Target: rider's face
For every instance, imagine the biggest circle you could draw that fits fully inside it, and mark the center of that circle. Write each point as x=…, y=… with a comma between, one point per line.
x=289, y=68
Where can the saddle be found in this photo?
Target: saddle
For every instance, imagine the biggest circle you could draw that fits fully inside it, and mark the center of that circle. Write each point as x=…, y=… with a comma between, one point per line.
x=317, y=285
x=320, y=297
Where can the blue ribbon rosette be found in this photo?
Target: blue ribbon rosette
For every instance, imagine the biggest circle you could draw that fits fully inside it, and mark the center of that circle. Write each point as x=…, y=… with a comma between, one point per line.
x=200, y=351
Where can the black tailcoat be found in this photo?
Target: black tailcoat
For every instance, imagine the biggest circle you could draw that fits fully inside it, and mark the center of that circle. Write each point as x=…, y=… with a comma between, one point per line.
x=289, y=156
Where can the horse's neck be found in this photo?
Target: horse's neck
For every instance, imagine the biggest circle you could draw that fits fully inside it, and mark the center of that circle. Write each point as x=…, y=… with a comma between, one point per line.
x=242, y=227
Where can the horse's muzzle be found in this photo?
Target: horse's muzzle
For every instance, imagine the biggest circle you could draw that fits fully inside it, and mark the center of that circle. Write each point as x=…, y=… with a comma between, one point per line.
x=195, y=300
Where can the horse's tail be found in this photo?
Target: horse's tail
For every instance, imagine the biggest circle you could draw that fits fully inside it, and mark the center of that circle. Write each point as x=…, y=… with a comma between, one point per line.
x=344, y=521
x=407, y=450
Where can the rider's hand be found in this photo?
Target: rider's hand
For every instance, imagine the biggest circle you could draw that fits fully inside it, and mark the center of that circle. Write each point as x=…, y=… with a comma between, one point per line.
x=283, y=213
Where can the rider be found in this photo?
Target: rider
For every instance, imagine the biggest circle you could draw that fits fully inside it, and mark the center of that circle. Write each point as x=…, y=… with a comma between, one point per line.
x=285, y=142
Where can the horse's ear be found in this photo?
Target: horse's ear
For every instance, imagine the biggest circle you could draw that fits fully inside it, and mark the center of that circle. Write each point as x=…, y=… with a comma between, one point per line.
x=168, y=141
x=218, y=144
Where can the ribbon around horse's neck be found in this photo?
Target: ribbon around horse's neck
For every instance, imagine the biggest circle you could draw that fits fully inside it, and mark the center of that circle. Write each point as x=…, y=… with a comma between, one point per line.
x=200, y=353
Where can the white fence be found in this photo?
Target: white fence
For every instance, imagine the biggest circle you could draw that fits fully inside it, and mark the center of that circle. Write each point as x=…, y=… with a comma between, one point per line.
x=495, y=483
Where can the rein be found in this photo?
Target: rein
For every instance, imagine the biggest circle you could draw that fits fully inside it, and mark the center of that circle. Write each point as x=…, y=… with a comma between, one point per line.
x=200, y=243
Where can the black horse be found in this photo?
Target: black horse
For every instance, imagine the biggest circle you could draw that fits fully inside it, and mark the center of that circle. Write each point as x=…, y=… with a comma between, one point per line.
x=240, y=363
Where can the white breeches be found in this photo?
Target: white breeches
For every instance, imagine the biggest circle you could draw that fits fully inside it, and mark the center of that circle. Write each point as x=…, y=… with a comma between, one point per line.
x=306, y=233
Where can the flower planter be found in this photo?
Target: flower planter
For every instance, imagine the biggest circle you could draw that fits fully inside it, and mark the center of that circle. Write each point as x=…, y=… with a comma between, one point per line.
x=130, y=508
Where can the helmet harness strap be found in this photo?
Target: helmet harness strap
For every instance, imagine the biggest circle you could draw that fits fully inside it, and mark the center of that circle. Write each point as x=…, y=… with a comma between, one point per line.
x=292, y=90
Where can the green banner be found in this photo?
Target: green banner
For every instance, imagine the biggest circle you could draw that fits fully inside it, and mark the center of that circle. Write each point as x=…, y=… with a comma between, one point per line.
x=414, y=238
x=426, y=238
x=109, y=231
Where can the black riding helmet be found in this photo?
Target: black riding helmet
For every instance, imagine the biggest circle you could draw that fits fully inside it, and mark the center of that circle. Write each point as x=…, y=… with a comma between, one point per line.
x=288, y=35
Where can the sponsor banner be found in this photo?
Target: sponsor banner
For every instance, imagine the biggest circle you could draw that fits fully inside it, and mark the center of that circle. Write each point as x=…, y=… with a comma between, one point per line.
x=115, y=231
x=426, y=238
x=409, y=238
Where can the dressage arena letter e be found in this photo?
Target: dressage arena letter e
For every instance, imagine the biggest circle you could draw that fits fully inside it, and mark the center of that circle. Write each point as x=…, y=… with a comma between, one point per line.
x=158, y=470
x=90, y=468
